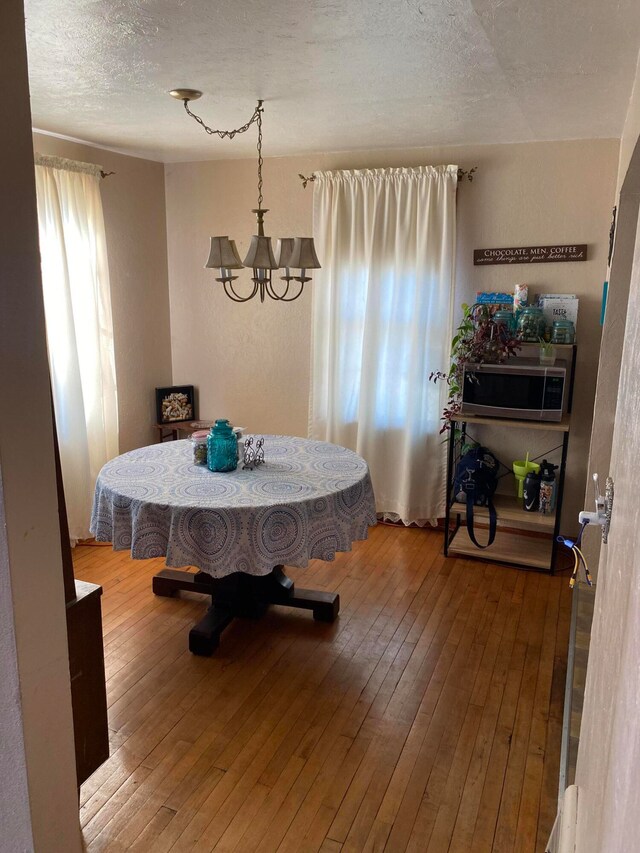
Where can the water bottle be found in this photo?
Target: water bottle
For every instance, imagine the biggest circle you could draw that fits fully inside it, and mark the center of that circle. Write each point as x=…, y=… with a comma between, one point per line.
x=531, y=492
x=548, y=484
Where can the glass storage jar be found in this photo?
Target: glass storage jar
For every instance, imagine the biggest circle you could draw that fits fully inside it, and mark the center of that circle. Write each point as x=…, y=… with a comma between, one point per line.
x=199, y=446
x=531, y=324
x=504, y=317
x=563, y=332
x=222, y=447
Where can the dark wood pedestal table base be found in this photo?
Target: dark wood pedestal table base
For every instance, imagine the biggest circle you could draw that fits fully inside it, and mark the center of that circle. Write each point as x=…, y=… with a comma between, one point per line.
x=241, y=595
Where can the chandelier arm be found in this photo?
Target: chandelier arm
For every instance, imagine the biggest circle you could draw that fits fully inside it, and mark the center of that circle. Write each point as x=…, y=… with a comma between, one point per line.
x=231, y=293
x=224, y=134
x=286, y=290
x=271, y=292
x=292, y=298
x=285, y=297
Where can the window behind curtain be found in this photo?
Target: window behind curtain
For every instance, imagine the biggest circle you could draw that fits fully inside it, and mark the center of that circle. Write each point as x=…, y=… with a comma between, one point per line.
x=381, y=322
x=75, y=281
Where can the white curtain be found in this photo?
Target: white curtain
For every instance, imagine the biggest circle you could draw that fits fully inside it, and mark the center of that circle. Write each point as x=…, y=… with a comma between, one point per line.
x=382, y=315
x=75, y=280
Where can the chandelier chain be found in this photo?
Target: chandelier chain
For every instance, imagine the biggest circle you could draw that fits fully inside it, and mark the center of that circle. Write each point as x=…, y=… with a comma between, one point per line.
x=225, y=134
x=259, y=111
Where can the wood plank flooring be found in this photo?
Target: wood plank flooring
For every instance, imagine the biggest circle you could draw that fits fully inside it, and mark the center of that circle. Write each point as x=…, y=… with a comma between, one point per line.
x=426, y=718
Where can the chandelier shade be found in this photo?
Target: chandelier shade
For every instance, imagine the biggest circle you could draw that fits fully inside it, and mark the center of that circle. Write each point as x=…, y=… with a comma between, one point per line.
x=223, y=254
x=260, y=254
x=284, y=248
x=303, y=255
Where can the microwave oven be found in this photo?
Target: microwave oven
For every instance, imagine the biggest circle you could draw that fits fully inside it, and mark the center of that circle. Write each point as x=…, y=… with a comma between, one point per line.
x=519, y=388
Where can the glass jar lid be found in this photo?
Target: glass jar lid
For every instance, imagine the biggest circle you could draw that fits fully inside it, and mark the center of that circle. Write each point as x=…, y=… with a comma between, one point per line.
x=563, y=324
x=222, y=427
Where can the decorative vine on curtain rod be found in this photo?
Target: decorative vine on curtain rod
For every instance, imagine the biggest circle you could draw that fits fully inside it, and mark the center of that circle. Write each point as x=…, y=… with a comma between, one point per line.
x=462, y=174
x=70, y=165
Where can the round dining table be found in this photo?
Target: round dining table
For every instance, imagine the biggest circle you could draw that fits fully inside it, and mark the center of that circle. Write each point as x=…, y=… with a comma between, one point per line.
x=308, y=500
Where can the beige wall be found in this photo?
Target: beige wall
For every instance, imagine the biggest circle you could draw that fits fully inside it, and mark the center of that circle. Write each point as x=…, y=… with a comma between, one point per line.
x=134, y=212
x=251, y=362
x=38, y=800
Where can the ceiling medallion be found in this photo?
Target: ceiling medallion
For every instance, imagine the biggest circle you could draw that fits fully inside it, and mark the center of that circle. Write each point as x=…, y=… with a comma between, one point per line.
x=292, y=253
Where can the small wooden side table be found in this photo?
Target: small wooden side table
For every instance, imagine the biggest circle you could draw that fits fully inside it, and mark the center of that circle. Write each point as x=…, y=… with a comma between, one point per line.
x=179, y=429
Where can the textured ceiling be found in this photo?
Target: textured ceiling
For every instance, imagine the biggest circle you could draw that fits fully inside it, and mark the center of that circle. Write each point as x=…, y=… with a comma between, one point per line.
x=334, y=74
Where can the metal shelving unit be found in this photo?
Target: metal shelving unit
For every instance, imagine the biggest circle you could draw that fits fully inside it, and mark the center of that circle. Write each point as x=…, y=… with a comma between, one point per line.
x=526, y=540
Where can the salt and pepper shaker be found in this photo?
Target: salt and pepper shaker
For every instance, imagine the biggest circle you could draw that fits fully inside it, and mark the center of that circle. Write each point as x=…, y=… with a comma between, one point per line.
x=248, y=457
x=252, y=457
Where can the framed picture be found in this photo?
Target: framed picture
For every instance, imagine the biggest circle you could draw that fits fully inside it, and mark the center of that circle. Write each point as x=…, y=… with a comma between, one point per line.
x=175, y=404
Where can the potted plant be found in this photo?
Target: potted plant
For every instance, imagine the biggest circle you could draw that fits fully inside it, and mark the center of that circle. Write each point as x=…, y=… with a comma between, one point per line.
x=547, y=353
x=479, y=339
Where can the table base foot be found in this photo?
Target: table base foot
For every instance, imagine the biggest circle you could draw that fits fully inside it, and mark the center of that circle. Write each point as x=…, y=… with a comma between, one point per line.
x=204, y=638
x=241, y=595
x=325, y=605
x=169, y=581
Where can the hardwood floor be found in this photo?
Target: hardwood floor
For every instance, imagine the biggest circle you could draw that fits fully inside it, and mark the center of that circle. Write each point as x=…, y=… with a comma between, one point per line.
x=427, y=718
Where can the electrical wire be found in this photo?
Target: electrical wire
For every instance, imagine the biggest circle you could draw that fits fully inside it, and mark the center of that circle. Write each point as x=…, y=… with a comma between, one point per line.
x=587, y=573
x=578, y=557
x=582, y=528
x=574, y=573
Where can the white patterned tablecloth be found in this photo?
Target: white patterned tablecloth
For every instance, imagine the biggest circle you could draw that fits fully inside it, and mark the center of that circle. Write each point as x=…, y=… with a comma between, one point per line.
x=307, y=501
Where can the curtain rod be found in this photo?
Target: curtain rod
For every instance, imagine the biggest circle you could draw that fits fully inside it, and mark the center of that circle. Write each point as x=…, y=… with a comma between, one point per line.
x=70, y=165
x=462, y=174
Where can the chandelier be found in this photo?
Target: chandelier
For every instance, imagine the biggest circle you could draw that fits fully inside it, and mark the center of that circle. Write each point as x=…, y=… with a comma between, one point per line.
x=292, y=254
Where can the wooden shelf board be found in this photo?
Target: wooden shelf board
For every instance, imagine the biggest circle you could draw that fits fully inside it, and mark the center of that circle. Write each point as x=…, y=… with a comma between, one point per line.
x=507, y=548
x=545, y=426
x=565, y=350
x=511, y=513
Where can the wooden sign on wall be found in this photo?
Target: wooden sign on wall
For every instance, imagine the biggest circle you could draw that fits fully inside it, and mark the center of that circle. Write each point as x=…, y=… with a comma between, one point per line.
x=529, y=255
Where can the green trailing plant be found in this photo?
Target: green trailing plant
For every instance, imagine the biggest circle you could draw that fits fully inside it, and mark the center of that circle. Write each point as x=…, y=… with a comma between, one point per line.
x=478, y=340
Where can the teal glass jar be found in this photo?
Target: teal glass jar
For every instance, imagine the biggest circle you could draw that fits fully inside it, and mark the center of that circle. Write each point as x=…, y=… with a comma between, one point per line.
x=531, y=324
x=505, y=318
x=222, y=447
x=563, y=332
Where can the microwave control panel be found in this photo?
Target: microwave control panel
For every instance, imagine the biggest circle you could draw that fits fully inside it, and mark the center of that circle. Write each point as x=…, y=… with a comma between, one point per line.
x=553, y=392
